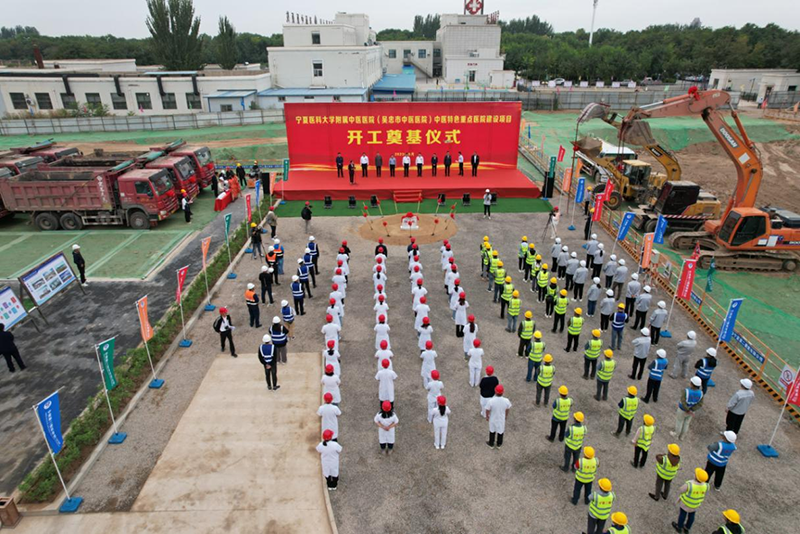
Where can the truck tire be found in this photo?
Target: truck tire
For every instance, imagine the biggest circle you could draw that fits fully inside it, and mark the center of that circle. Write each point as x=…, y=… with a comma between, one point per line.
x=71, y=221
x=138, y=220
x=46, y=222
x=615, y=201
x=650, y=225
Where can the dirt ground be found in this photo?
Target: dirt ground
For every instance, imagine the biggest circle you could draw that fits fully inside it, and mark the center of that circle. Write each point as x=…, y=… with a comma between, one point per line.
x=113, y=146
x=431, y=229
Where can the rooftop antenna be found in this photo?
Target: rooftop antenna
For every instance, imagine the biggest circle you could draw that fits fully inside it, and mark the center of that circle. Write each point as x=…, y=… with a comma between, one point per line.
x=591, y=31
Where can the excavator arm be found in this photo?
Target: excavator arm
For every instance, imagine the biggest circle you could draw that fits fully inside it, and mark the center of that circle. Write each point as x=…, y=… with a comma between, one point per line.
x=661, y=154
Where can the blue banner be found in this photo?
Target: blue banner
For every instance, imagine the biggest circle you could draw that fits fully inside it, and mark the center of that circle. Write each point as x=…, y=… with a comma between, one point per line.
x=748, y=347
x=49, y=416
x=726, y=331
x=625, y=225
x=580, y=190
x=661, y=228
x=258, y=191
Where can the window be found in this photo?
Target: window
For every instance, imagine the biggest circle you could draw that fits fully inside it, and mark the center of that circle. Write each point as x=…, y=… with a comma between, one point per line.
x=143, y=188
x=226, y=107
x=308, y=98
x=471, y=75
x=422, y=53
x=18, y=100
x=317, y=66
x=281, y=99
x=143, y=101
x=93, y=99
x=749, y=229
x=437, y=52
x=392, y=53
x=69, y=101
x=43, y=100
x=193, y=101
x=168, y=101
x=119, y=101
x=315, y=38
x=792, y=88
x=406, y=53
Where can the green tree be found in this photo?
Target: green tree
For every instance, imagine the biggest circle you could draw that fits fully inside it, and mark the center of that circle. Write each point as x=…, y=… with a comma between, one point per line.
x=226, y=44
x=175, y=33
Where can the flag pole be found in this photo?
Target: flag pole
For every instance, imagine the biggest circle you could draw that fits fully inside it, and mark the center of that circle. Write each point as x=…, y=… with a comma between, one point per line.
x=155, y=383
x=117, y=437
x=665, y=332
x=209, y=306
x=767, y=450
x=184, y=342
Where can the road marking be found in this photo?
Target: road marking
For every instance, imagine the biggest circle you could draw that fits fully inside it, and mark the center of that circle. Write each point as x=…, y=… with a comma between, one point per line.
x=17, y=241
x=39, y=260
x=102, y=261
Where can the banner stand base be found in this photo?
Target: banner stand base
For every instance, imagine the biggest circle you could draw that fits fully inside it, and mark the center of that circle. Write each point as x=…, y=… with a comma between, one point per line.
x=666, y=333
x=156, y=383
x=70, y=505
x=282, y=202
x=767, y=451
x=263, y=230
x=571, y=228
x=117, y=438
x=210, y=307
x=231, y=276
x=248, y=250
x=185, y=343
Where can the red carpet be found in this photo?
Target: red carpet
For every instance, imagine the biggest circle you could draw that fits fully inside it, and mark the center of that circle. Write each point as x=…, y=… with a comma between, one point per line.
x=317, y=184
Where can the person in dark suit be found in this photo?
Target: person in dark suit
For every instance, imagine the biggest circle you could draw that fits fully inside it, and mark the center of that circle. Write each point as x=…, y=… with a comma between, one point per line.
x=240, y=174
x=351, y=168
x=339, y=165
x=378, y=163
x=224, y=325
x=448, y=160
x=475, y=160
x=434, y=162
x=9, y=349
x=80, y=263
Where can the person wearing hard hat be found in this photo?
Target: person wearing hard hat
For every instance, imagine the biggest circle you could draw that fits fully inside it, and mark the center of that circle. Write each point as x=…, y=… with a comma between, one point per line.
x=641, y=305
x=592, y=296
x=298, y=295
x=642, y=441
x=378, y=278
x=380, y=308
x=667, y=466
x=381, y=249
x=585, y=471
x=460, y=317
x=522, y=254
x=691, y=401
x=530, y=261
x=505, y=298
x=562, y=406
x=487, y=385
x=535, y=355
x=554, y=252
x=384, y=353
x=657, y=368
x=620, y=278
x=266, y=355
x=382, y=330
x=561, y=302
x=313, y=248
x=308, y=262
x=186, y=206
x=272, y=263
x=493, y=279
x=609, y=270
x=719, y=454
x=525, y=333
x=446, y=254
x=705, y=366
x=266, y=278
x=386, y=378
x=418, y=289
x=513, y=312
x=628, y=406
x=303, y=274
x=573, y=441
x=330, y=416
x=255, y=241
x=251, y=299
x=470, y=332
x=496, y=413
x=535, y=268
x=499, y=280
x=280, y=252
x=329, y=452
x=598, y=259
x=224, y=325
x=386, y=421
x=272, y=222
x=591, y=248
x=343, y=262
x=434, y=388
x=541, y=282
x=632, y=290
x=440, y=416
x=579, y=281
x=280, y=334
x=591, y=351
x=574, y=330
x=641, y=349
x=80, y=263
x=607, y=308
x=605, y=371
x=330, y=384
x=657, y=320
x=600, y=503
x=487, y=201
x=428, y=357
x=562, y=261
x=425, y=333
x=331, y=356
x=550, y=298
x=619, y=524
x=738, y=405
x=475, y=363
x=732, y=523
x=486, y=257
x=692, y=495
x=618, y=321
x=421, y=312
x=684, y=351
x=544, y=379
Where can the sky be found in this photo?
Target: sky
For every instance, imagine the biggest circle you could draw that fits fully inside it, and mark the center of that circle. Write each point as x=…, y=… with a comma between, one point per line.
x=125, y=18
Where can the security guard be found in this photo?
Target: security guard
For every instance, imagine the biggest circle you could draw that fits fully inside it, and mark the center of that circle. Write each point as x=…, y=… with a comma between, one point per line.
x=561, y=303
x=513, y=311
x=667, y=466
x=523, y=253
x=530, y=260
x=541, y=282
x=298, y=295
x=573, y=442
x=499, y=278
x=604, y=373
x=719, y=454
x=303, y=273
x=525, y=333
x=574, y=330
x=586, y=469
x=505, y=298
x=693, y=493
x=492, y=268
x=251, y=299
x=545, y=379
x=642, y=439
x=600, y=503
x=561, y=408
x=627, y=410
x=535, y=355
x=591, y=351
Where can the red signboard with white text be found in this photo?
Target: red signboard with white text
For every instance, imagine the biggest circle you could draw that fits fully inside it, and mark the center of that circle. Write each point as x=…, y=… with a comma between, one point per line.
x=684, y=290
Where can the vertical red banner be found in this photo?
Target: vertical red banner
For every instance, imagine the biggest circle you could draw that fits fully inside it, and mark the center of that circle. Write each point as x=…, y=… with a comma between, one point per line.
x=144, y=320
x=249, y=208
x=598, y=207
x=182, y=272
x=567, y=182
x=684, y=289
x=205, y=244
x=561, y=153
x=647, y=253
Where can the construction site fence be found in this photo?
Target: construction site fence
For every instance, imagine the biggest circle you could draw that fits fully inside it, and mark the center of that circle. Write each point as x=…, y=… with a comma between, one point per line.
x=782, y=114
x=782, y=99
x=760, y=361
x=139, y=122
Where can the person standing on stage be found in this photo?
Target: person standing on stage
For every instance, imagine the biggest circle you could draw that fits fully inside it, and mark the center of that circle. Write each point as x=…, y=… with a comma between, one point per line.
x=460, y=163
x=434, y=162
x=364, y=164
x=378, y=164
x=406, y=164
x=420, y=161
x=448, y=160
x=475, y=160
x=339, y=165
x=351, y=169
x=392, y=165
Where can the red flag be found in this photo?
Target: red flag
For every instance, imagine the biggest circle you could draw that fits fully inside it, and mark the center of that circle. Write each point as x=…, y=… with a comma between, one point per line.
x=609, y=189
x=249, y=209
x=794, y=392
x=648, y=249
x=598, y=206
x=182, y=272
x=561, y=153
x=684, y=290
x=453, y=215
x=144, y=321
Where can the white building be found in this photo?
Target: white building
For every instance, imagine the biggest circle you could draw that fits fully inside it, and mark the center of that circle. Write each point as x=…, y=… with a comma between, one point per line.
x=760, y=81
x=470, y=49
x=424, y=56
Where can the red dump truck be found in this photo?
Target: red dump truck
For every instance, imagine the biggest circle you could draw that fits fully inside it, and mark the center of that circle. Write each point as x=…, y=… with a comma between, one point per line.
x=71, y=199
x=181, y=169
x=47, y=150
x=199, y=155
x=19, y=164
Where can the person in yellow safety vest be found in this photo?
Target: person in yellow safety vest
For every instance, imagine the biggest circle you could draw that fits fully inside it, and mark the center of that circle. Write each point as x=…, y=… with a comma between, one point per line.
x=513, y=311
x=600, y=503
x=627, y=411
x=499, y=278
x=541, y=282
x=523, y=252
x=525, y=333
x=591, y=351
x=561, y=408
x=586, y=469
x=561, y=303
x=573, y=441
x=667, y=466
x=535, y=269
x=604, y=373
x=544, y=378
x=733, y=523
x=642, y=440
x=535, y=355
x=505, y=298
x=530, y=260
x=492, y=268
x=574, y=330
x=619, y=524
x=486, y=257
x=550, y=297
x=693, y=492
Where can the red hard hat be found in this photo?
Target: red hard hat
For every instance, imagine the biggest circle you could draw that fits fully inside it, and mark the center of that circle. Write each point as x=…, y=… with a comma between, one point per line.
x=499, y=389
x=379, y=268
x=385, y=363
x=328, y=434
x=384, y=344
x=419, y=281
x=339, y=263
x=381, y=298
x=380, y=287
x=307, y=203
x=416, y=268
x=338, y=271
x=329, y=317
x=453, y=267
x=429, y=344
x=344, y=242
x=331, y=343
x=223, y=310
x=489, y=370
x=341, y=251
x=381, y=318
x=445, y=241
x=412, y=237
x=329, y=368
x=332, y=301
x=335, y=287
x=462, y=295
x=380, y=240
x=435, y=374
x=426, y=320
x=457, y=281
x=441, y=400
x=423, y=300
x=414, y=246
x=451, y=259
x=471, y=318
x=416, y=257
x=272, y=208
x=379, y=260
x=447, y=247
x=386, y=406
x=476, y=343
x=328, y=397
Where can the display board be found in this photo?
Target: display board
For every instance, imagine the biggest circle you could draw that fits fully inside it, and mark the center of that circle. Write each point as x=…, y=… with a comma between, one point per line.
x=11, y=309
x=48, y=279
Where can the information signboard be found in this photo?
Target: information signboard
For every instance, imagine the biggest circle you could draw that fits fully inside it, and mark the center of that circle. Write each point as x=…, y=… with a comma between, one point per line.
x=48, y=279
x=11, y=309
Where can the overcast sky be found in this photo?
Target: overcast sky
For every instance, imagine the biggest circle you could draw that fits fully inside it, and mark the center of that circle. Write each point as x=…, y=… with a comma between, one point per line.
x=125, y=18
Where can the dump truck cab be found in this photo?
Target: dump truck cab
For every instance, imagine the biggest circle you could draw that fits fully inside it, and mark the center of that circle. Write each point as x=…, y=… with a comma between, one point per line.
x=146, y=190
x=180, y=168
x=20, y=164
x=47, y=150
x=200, y=157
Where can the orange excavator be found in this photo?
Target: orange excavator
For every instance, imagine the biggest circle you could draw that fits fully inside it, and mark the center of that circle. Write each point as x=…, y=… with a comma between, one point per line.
x=745, y=237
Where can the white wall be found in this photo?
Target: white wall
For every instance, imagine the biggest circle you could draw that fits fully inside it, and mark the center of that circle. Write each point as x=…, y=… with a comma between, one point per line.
x=746, y=80
x=342, y=67
x=778, y=82
x=360, y=22
x=215, y=104
x=330, y=35
x=395, y=65
x=501, y=79
x=460, y=40
x=273, y=102
x=455, y=68
x=99, y=65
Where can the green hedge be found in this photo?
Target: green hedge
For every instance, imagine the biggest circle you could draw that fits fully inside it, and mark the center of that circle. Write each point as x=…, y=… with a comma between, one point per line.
x=132, y=371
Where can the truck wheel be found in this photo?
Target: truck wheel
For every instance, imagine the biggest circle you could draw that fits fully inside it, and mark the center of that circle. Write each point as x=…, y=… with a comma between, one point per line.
x=790, y=265
x=70, y=221
x=615, y=201
x=138, y=221
x=650, y=225
x=46, y=222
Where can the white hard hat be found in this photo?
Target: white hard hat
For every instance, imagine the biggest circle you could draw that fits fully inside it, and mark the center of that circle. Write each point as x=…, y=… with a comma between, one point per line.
x=284, y=303
x=622, y=262
x=311, y=238
x=266, y=339
x=696, y=381
x=271, y=249
x=76, y=246
x=730, y=436
x=276, y=319
x=594, y=236
x=270, y=270
x=601, y=246
x=596, y=280
x=308, y=250
x=711, y=352
x=251, y=286
x=691, y=335
x=746, y=383
x=662, y=304
x=647, y=289
x=645, y=331
x=276, y=241
x=564, y=248
x=573, y=255
x=661, y=353
x=635, y=276
x=613, y=257
x=610, y=293
x=583, y=262
x=487, y=191
x=558, y=241
x=264, y=268
x=300, y=260
x=295, y=278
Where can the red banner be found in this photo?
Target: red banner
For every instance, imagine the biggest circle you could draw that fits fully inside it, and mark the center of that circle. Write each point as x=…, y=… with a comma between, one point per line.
x=249, y=209
x=318, y=132
x=182, y=272
x=647, y=253
x=794, y=392
x=205, y=244
x=608, y=189
x=684, y=290
x=598, y=206
x=561, y=153
x=567, y=182
x=144, y=320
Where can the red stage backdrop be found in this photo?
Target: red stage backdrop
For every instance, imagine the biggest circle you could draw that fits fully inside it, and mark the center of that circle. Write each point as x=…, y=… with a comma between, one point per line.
x=316, y=132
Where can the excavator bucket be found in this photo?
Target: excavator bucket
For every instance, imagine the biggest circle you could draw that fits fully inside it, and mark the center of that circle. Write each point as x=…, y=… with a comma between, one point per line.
x=591, y=146
x=638, y=133
x=593, y=111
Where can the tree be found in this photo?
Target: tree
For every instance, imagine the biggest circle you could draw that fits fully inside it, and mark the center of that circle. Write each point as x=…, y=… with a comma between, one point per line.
x=226, y=44
x=175, y=33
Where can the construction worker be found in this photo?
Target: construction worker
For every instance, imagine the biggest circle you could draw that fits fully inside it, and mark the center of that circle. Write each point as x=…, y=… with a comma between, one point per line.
x=550, y=298
x=492, y=268
x=618, y=327
x=600, y=503
x=632, y=291
x=607, y=309
x=609, y=270
x=642, y=441
x=314, y=248
x=591, y=248
x=657, y=368
x=667, y=466
x=535, y=354
x=641, y=305
x=593, y=295
x=554, y=250
x=561, y=408
x=738, y=405
x=693, y=493
x=597, y=260
x=537, y=266
x=620, y=277
x=303, y=274
x=251, y=299
x=719, y=454
x=619, y=524
x=298, y=295
x=586, y=469
x=496, y=413
x=657, y=320
x=563, y=258
x=684, y=353
x=487, y=385
x=544, y=379
x=574, y=330
x=641, y=349
x=627, y=410
x=691, y=401
x=499, y=280
x=732, y=523
x=573, y=442
x=525, y=333
x=486, y=258
x=572, y=268
x=530, y=260
x=505, y=298
x=513, y=312
x=579, y=281
x=604, y=374
x=541, y=282
x=591, y=351
x=705, y=366
x=560, y=308
x=523, y=253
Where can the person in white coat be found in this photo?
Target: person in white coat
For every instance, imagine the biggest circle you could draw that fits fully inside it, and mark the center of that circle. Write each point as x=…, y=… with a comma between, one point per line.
x=450, y=278
x=418, y=292
x=384, y=353
x=338, y=278
x=379, y=262
x=330, y=384
x=470, y=333
x=428, y=357
x=496, y=413
x=447, y=253
x=386, y=421
x=382, y=332
x=379, y=278
x=336, y=295
x=333, y=357
x=330, y=416
x=475, y=363
x=331, y=330
x=454, y=296
x=333, y=311
x=440, y=417
x=343, y=258
x=422, y=310
x=434, y=387
x=413, y=263
x=461, y=314
x=416, y=279
x=329, y=452
x=425, y=332
x=386, y=378
x=379, y=292
x=381, y=308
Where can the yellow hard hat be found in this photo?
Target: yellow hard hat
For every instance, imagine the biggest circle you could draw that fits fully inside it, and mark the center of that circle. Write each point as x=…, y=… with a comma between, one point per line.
x=252, y=225
x=588, y=452
x=515, y=293
x=604, y=484
x=562, y=390
x=488, y=245
x=632, y=390
x=528, y=314
x=674, y=448
x=578, y=311
x=596, y=332
x=537, y=335
x=589, y=188
x=618, y=518
x=648, y=419
x=591, y=210
x=553, y=280
x=732, y=516
x=238, y=164
x=486, y=238
x=524, y=238
x=609, y=353
x=539, y=257
x=563, y=293
x=532, y=246
x=544, y=265
x=500, y=263
x=494, y=253
x=548, y=358
x=508, y=279
x=578, y=416
x=621, y=305
x=700, y=474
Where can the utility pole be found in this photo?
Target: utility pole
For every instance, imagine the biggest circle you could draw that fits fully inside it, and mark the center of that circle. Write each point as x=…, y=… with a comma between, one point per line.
x=591, y=31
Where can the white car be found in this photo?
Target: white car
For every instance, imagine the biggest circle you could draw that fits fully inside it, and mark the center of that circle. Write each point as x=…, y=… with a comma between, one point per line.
x=559, y=81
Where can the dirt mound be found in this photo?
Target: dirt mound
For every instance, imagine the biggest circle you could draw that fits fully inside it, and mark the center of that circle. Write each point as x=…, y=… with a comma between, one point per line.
x=124, y=146
x=428, y=232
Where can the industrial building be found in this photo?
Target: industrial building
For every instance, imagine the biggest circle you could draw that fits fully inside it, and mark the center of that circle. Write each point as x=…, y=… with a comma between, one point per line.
x=763, y=82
